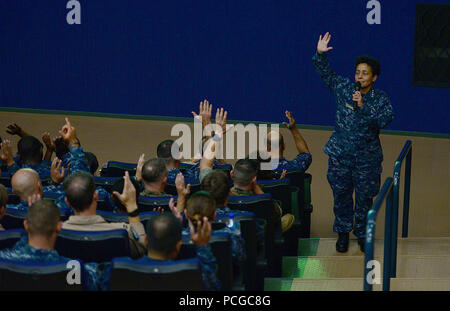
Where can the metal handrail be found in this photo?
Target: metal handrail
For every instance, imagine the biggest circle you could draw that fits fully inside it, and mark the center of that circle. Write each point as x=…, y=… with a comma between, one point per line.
x=406, y=152
x=386, y=194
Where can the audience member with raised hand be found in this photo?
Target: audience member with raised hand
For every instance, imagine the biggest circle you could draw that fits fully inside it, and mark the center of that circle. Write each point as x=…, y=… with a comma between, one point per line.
x=3, y=201
x=78, y=161
x=82, y=196
x=29, y=155
x=202, y=205
x=301, y=161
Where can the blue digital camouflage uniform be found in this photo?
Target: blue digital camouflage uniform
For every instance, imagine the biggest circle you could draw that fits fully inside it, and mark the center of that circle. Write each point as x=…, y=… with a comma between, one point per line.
x=189, y=174
x=25, y=253
x=75, y=157
x=77, y=163
x=354, y=148
x=42, y=169
x=23, y=206
x=192, y=173
x=301, y=161
x=208, y=268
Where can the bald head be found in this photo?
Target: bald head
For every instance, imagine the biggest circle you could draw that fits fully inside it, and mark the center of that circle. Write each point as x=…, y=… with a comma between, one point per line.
x=276, y=140
x=26, y=182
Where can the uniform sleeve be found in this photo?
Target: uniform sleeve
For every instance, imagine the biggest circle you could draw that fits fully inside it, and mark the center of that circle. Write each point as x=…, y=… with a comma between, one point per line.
x=12, y=169
x=208, y=266
x=323, y=68
x=379, y=118
x=98, y=276
x=78, y=162
x=301, y=161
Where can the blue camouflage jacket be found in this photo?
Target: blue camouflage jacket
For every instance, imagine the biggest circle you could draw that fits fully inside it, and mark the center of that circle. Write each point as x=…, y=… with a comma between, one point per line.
x=25, y=253
x=356, y=134
x=42, y=169
x=301, y=161
x=189, y=174
x=76, y=158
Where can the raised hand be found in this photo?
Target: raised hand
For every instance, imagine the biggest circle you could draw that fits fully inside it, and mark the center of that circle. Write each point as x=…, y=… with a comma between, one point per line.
x=56, y=172
x=69, y=134
x=128, y=195
x=322, y=45
x=205, y=111
x=6, y=155
x=291, y=119
x=203, y=234
x=221, y=120
x=174, y=210
x=140, y=164
x=49, y=143
x=182, y=189
x=14, y=129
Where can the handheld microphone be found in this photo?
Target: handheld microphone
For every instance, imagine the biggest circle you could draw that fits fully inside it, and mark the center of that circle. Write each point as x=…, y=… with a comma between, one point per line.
x=357, y=88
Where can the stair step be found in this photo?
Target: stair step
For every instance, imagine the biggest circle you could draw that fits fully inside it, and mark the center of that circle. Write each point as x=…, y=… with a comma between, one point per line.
x=405, y=246
x=333, y=284
x=321, y=267
x=410, y=284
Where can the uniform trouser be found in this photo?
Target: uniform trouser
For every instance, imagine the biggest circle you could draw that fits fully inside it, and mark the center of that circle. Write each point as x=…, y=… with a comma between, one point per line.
x=344, y=179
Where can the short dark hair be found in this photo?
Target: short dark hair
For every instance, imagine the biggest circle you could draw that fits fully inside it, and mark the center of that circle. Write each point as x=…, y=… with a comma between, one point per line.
x=217, y=184
x=118, y=186
x=79, y=188
x=258, y=159
x=164, y=232
x=29, y=149
x=244, y=171
x=92, y=161
x=153, y=170
x=164, y=151
x=61, y=147
x=200, y=204
x=42, y=217
x=371, y=61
